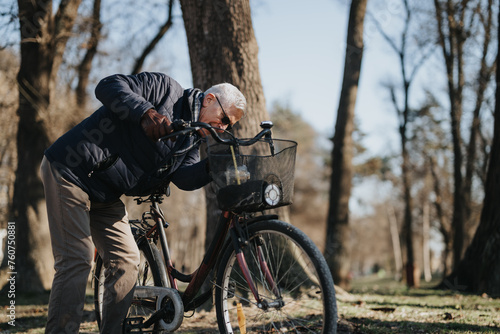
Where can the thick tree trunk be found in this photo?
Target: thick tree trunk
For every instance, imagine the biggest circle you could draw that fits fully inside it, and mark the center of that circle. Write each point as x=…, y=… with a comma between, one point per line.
x=223, y=48
x=43, y=38
x=337, y=251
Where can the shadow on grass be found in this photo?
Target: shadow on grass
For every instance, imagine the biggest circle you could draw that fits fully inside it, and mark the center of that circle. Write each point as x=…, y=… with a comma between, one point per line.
x=364, y=325
x=31, y=312
x=22, y=323
x=393, y=303
x=35, y=299
x=23, y=299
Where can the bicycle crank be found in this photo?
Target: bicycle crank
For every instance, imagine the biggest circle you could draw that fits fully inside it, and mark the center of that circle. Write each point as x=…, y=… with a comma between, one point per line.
x=167, y=314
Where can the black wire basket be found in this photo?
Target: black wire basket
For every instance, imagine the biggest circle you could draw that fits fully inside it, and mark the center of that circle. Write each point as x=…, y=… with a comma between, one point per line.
x=253, y=178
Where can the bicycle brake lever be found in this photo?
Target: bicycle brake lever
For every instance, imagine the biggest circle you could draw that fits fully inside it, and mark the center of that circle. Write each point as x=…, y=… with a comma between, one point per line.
x=179, y=124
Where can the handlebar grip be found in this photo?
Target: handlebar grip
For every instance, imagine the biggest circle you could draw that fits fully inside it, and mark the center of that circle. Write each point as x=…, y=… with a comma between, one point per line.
x=266, y=124
x=179, y=125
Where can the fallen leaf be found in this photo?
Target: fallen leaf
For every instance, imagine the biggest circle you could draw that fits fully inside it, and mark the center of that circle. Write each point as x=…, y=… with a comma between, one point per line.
x=448, y=316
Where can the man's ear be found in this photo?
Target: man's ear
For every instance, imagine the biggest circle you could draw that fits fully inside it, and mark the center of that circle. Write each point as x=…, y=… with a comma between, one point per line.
x=208, y=99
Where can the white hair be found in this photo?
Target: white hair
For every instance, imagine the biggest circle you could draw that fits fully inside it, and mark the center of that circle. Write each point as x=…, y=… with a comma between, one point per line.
x=229, y=96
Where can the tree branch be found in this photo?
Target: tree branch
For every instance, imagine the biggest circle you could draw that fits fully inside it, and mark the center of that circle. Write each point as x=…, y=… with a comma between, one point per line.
x=163, y=30
x=86, y=64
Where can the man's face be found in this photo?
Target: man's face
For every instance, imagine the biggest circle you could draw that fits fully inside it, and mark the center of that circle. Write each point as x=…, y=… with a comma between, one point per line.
x=212, y=113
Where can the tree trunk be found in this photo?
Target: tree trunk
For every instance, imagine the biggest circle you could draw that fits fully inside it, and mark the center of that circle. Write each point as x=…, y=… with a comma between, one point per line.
x=453, y=30
x=43, y=39
x=426, y=225
x=223, y=48
x=479, y=270
x=441, y=216
x=337, y=251
x=410, y=266
x=393, y=228
x=408, y=74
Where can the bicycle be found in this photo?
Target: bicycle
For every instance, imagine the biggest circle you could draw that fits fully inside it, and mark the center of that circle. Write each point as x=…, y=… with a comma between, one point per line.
x=265, y=274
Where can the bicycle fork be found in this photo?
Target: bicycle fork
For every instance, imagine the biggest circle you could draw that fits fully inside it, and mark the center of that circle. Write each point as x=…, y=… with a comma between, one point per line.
x=240, y=241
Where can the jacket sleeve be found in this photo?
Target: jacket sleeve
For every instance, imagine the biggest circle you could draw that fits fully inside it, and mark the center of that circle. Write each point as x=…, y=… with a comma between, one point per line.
x=192, y=177
x=130, y=96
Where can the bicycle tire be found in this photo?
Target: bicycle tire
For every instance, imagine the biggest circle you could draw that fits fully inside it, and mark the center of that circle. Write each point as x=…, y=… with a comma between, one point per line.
x=304, y=283
x=149, y=274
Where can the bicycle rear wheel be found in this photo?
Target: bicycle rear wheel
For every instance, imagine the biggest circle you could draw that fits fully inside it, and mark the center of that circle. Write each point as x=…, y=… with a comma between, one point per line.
x=149, y=275
x=303, y=297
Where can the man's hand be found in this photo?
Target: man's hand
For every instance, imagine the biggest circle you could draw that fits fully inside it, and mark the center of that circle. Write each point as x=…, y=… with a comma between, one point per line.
x=155, y=125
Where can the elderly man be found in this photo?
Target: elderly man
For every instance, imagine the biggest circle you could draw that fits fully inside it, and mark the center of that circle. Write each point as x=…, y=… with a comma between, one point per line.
x=113, y=152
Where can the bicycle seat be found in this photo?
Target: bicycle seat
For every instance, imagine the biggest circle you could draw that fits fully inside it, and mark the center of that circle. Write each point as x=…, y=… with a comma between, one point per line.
x=162, y=190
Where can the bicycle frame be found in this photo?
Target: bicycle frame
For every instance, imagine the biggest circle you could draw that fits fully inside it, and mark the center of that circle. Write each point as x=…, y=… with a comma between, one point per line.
x=228, y=223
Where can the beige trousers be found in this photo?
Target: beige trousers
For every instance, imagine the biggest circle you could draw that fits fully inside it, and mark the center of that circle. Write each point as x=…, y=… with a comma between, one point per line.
x=76, y=224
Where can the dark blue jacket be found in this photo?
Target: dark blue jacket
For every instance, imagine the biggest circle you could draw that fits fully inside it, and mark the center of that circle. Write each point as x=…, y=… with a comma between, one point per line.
x=108, y=154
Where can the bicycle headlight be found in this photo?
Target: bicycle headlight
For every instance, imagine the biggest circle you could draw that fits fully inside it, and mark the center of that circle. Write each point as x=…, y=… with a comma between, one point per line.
x=272, y=194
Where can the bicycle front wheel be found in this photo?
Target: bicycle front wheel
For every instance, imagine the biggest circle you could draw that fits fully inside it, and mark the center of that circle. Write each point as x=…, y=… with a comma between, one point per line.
x=292, y=279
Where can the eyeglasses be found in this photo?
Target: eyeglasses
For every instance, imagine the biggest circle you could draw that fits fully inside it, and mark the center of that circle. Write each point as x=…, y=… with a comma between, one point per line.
x=224, y=120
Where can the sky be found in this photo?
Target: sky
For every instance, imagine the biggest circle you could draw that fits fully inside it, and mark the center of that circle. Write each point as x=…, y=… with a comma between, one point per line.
x=301, y=60
x=301, y=55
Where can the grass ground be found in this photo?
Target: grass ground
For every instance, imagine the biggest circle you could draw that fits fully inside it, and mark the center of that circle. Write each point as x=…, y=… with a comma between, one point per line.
x=384, y=306
x=373, y=306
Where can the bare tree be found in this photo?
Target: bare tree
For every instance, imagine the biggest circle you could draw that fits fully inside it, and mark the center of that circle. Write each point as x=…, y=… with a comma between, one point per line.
x=457, y=23
x=43, y=40
x=409, y=62
x=430, y=146
x=479, y=270
x=337, y=234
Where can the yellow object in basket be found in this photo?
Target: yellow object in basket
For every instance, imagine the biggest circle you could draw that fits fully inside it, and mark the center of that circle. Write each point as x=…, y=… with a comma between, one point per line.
x=237, y=173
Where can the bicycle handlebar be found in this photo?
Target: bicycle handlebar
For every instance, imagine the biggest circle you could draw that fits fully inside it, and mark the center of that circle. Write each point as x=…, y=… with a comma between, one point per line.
x=183, y=128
